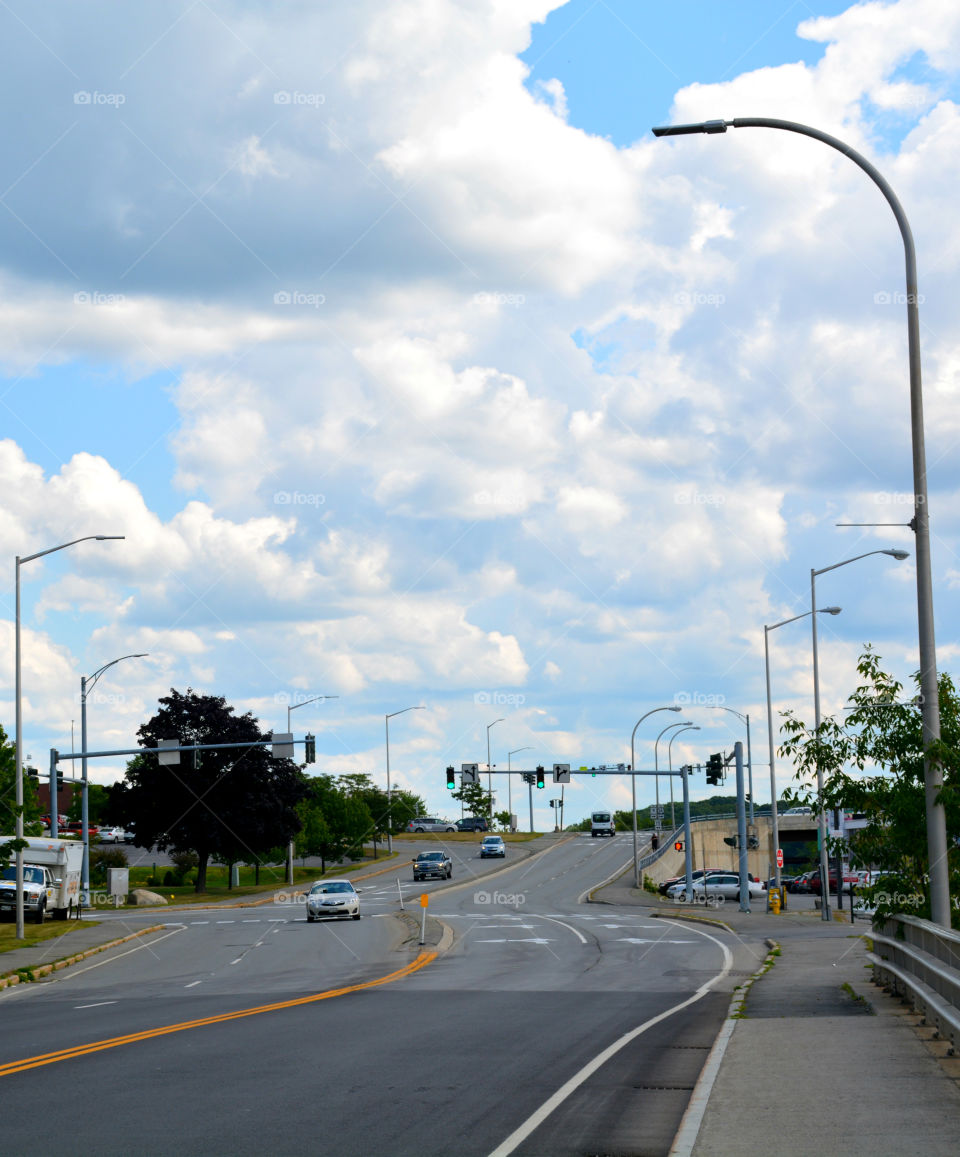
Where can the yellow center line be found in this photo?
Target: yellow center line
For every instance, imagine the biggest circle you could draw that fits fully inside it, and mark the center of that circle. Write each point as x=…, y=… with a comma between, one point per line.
x=421, y=961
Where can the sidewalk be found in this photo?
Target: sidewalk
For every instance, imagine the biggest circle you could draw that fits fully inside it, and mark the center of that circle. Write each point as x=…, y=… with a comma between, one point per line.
x=819, y=1060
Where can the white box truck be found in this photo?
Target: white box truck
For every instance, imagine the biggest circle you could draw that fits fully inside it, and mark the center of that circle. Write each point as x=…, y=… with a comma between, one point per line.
x=51, y=878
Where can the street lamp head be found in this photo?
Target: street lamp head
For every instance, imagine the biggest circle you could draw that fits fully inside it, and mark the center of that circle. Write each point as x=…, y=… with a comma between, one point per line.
x=899, y=555
x=686, y=130
x=675, y=708
x=109, y=537
x=830, y=610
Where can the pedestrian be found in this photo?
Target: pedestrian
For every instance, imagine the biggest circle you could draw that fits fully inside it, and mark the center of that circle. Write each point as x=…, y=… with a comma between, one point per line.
x=654, y=842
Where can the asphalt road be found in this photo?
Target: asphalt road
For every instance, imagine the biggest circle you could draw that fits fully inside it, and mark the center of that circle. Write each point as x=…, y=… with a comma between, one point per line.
x=491, y=1047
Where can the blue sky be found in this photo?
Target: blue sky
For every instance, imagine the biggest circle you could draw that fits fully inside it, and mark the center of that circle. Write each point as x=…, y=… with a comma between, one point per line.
x=415, y=371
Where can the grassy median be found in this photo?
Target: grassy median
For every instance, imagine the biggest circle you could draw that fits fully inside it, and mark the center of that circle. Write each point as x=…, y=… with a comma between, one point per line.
x=36, y=933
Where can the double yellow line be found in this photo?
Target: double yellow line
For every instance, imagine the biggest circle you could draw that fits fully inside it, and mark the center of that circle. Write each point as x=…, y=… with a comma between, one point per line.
x=20, y=1066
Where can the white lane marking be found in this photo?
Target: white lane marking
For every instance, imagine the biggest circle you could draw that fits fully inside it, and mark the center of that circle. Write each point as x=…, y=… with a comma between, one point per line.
x=192, y=984
x=237, y=961
x=516, y=940
x=192, y=922
x=489, y=927
x=658, y=940
x=226, y=921
x=99, y=1004
x=569, y=927
x=251, y=921
x=519, y=1135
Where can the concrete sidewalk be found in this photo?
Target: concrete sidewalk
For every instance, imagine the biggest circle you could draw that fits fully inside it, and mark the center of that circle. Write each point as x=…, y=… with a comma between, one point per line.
x=817, y=1059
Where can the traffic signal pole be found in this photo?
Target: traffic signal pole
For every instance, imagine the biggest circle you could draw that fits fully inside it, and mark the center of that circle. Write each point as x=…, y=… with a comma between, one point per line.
x=687, y=846
x=742, y=831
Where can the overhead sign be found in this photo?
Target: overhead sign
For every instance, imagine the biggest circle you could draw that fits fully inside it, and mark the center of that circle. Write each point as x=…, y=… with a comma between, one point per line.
x=469, y=772
x=561, y=773
x=169, y=758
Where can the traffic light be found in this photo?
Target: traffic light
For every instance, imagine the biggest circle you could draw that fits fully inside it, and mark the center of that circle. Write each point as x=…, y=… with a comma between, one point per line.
x=529, y=777
x=753, y=841
x=310, y=749
x=715, y=768
x=451, y=778
x=731, y=840
x=678, y=846
x=32, y=773
x=59, y=780
x=540, y=777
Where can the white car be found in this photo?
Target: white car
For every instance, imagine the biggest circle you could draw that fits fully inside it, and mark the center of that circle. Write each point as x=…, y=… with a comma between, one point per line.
x=114, y=836
x=332, y=898
x=725, y=884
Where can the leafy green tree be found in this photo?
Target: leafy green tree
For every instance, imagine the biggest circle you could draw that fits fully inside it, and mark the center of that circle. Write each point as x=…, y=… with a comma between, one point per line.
x=98, y=797
x=234, y=804
x=475, y=798
x=872, y=763
x=8, y=794
x=503, y=819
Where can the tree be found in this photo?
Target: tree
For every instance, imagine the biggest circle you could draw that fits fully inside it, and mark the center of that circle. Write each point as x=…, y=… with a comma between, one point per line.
x=503, y=819
x=8, y=792
x=97, y=800
x=233, y=804
x=872, y=763
x=475, y=797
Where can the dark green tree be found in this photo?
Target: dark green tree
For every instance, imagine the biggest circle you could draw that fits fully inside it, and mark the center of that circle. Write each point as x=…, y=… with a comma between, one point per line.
x=233, y=804
x=8, y=793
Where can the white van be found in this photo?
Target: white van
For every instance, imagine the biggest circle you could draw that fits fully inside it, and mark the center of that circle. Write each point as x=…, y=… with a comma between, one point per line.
x=602, y=824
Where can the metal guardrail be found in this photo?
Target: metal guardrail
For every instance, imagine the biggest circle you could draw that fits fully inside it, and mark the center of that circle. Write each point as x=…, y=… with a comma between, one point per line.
x=920, y=962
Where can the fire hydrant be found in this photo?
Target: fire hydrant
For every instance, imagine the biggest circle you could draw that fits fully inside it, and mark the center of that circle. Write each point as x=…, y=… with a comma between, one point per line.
x=774, y=901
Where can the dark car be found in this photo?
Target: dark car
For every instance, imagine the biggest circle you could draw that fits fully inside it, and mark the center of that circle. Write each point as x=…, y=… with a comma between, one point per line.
x=473, y=824
x=432, y=864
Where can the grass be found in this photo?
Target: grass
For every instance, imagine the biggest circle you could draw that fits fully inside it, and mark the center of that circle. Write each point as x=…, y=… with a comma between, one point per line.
x=36, y=933
x=272, y=879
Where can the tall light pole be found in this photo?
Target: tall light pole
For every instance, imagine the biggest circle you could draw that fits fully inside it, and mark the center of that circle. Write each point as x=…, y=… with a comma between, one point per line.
x=87, y=683
x=295, y=706
x=683, y=727
x=489, y=772
x=386, y=724
x=920, y=523
x=509, y=791
x=633, y=789
x=899, y=555
x=18, y=713
x=656, y=763
x=774, y=819
x=743, y=719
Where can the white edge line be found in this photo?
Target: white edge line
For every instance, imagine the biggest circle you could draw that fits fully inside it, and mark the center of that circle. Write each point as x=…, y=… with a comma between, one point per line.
x=505, y=1148
x=99, y=1004
x=68, y=975
x=692, y=1120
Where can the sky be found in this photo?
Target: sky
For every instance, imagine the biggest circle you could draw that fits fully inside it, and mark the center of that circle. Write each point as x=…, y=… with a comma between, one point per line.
x=416, y=371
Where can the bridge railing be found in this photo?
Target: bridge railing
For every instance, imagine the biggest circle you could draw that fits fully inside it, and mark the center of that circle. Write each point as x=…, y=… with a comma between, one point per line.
x=920, y=962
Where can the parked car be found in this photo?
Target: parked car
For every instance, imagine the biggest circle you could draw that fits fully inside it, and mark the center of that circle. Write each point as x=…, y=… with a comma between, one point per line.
x=332, y=898
x=473, y=824
x=432, y=864
x=724, y=884
x=667, y=884
x=849, y=880
x=76, y=829
x=114, y=836
x=799, y=811
x=430, y=824
x=492, y=846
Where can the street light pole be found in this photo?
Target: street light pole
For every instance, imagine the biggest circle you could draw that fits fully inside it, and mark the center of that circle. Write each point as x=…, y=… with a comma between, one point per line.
x=899, y=555
x=683, y=727
x=656, y=764
x=489, y=771
x=920, y=523
x=509, y=791
x=294, y=707
x=18, y=714
x=633, y=789
x=774, y=818
x=87, y=683
x=386, y=724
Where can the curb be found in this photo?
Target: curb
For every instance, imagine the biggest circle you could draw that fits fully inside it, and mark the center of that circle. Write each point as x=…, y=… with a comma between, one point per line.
x=37, y=972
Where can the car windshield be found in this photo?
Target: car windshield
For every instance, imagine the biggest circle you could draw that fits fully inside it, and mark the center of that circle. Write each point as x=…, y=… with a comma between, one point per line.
x=30, y=875
x=492, y=840
x=430, y=856
x=333, y=886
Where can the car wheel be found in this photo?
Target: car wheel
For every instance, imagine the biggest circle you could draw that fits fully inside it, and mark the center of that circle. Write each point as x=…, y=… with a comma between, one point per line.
x=38, y=919
x=449, y=873
x=309, y=918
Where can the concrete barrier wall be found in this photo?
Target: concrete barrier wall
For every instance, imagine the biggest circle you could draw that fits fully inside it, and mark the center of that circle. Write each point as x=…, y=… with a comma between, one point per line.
x=710, y=851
